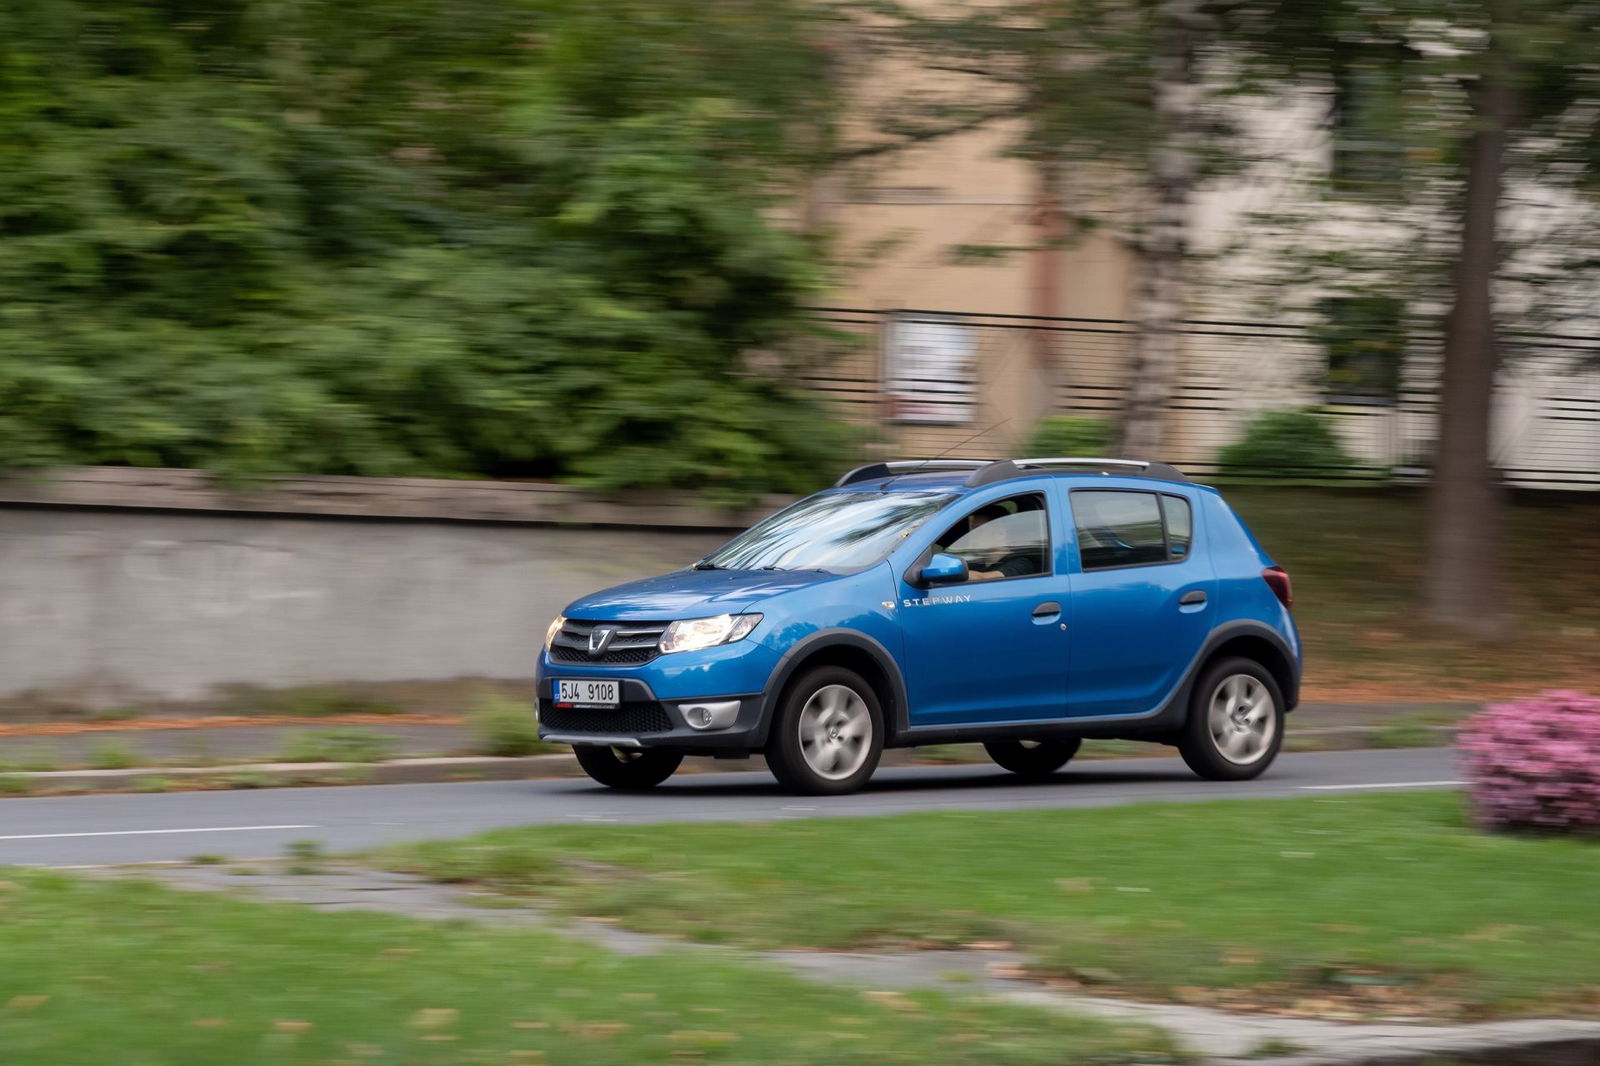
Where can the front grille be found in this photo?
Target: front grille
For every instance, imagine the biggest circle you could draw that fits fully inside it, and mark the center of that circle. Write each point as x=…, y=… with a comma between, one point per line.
x=635, y=643
x=628, y=719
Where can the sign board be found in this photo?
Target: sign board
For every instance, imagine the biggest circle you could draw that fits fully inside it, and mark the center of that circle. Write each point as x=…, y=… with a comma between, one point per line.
x=931, y=370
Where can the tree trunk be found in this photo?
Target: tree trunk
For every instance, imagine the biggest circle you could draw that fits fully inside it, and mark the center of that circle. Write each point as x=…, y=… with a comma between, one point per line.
x=1466, y=503
x=1050, y=234
x=1161, y=244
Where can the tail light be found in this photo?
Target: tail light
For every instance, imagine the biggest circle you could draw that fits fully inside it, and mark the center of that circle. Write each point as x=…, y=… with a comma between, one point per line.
x=1277, y=578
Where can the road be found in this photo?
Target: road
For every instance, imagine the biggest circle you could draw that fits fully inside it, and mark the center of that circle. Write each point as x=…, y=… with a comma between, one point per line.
x=97, y=830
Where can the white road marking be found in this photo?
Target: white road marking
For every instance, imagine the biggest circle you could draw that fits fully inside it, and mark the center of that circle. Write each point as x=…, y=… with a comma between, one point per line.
x=1387, y=784
x=156, y=832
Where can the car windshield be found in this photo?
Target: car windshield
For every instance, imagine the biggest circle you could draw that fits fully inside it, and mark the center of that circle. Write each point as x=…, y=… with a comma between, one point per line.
x=832, y=531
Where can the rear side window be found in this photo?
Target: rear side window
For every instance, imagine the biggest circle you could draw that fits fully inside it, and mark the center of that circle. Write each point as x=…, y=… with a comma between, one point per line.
x=1180, y=525
x=1118, y=528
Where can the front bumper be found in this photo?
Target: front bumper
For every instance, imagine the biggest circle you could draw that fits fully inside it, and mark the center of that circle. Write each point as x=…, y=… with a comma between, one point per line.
x=654, y=697
x=642, y=720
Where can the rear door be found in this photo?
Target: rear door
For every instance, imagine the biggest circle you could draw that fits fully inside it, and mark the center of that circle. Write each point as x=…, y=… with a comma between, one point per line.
x=1143, y=599
x=992, y=648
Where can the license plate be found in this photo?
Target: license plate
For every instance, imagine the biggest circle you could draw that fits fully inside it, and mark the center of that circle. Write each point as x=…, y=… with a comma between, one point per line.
x=586, y=693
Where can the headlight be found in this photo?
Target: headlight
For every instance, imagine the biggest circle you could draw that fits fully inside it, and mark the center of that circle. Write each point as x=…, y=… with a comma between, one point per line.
x=692, y=634
x=555, y=627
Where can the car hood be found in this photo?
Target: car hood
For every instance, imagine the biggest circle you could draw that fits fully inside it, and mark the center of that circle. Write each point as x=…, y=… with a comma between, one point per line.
x=690, y=594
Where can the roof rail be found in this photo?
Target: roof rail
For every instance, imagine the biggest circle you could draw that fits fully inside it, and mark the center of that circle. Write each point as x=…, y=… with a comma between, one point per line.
x=1006, y=469
x=873, y=471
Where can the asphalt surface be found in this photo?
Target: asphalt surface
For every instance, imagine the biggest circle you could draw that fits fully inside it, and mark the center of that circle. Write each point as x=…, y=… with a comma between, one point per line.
x=108, y=829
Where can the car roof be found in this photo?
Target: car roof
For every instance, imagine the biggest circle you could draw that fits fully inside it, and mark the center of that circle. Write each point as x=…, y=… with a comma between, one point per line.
x=965, y=475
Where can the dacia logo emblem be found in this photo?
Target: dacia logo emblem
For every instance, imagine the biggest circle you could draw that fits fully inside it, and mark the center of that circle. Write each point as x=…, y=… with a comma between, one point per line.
x=600, y=639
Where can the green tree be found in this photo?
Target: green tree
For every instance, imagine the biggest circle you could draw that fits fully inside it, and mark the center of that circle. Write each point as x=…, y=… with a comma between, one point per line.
x=489, y=237
x=1479, y=93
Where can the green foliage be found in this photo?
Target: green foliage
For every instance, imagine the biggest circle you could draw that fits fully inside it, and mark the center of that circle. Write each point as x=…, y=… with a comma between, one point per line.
x=112, y=755
x=337, y=745
x=305, y=856
x=306, y=701
x=1405, y=732
x=496, y=237
x=506, y=727
x=15, y=785
x=1287, y=444
x=1069, y=435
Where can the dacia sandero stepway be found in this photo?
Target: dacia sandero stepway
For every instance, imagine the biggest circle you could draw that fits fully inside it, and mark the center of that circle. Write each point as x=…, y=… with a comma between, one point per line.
x=1025, y=604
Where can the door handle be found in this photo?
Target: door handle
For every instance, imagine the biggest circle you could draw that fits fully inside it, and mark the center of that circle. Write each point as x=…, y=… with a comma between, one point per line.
x=1045, y=610
x=1193, y=596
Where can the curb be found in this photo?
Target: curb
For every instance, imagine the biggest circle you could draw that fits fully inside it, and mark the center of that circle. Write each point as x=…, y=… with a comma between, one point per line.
x=432, y=770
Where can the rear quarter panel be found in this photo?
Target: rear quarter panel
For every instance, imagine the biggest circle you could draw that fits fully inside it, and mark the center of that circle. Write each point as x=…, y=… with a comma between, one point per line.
x=1238, y=559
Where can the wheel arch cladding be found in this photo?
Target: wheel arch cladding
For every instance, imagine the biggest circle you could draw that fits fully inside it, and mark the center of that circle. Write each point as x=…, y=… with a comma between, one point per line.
x=1260, y=649
x=854, y=652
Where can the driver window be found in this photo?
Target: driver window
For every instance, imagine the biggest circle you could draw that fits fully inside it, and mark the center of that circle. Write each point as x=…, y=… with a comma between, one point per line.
x=1009, y=538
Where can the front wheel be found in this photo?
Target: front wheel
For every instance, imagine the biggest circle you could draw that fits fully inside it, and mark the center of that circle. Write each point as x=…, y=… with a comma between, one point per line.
x=1032, y=758
x=629, y=769
x=828, y=734
x=1235, y=725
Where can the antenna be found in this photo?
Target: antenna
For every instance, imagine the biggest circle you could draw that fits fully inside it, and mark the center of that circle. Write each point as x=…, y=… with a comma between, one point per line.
x=969, y=440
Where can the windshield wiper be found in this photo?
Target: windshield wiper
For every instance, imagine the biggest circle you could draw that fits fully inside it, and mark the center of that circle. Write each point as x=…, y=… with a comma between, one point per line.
x=701, y=564
x=799, y=569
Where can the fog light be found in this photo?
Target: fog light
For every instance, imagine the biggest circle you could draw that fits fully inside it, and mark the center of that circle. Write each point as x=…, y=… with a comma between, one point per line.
x=709, y=715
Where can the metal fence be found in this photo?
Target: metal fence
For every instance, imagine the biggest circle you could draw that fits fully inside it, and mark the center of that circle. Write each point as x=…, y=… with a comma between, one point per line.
x=934, y=382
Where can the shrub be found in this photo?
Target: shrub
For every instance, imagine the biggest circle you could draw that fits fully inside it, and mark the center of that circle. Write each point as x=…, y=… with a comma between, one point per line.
x=1287, y=444
x=1535, y=764
x=506, y=727
x=1069, y=435
x=338, y=745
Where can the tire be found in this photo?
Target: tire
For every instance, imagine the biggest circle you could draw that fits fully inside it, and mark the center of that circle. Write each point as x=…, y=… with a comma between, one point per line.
x=1235, y=725
x=627, y=769
x=828, y=734
x=1032, y=758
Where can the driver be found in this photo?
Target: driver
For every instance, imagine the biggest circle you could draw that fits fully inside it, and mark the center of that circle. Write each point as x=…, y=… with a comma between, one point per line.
x=1018, y=562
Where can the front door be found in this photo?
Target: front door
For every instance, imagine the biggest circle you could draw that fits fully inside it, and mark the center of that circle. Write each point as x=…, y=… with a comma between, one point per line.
x=1142, y=606
x=992, y=648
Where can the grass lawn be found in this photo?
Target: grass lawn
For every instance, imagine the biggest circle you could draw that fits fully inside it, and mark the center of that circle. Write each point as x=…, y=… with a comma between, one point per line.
x=1373, y=905
x=1357, y=557
x=137, y=975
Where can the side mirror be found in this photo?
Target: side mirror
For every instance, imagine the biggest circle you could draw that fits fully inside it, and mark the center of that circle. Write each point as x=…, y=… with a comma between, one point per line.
x=943, y=569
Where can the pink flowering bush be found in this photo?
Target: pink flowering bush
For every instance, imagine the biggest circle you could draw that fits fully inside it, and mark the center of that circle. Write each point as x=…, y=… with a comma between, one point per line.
x=1536, y=763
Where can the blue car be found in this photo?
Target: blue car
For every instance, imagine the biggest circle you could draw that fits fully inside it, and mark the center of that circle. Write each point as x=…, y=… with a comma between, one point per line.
x=1025, y=604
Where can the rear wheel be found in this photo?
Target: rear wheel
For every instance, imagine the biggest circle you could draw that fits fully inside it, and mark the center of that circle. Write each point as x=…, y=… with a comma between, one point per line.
x=828, y=734
x=630, y=769
x=1235, y=725
x=1032, y=758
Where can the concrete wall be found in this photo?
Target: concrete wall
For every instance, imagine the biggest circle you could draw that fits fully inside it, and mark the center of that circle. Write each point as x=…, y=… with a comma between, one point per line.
x=106, y=605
